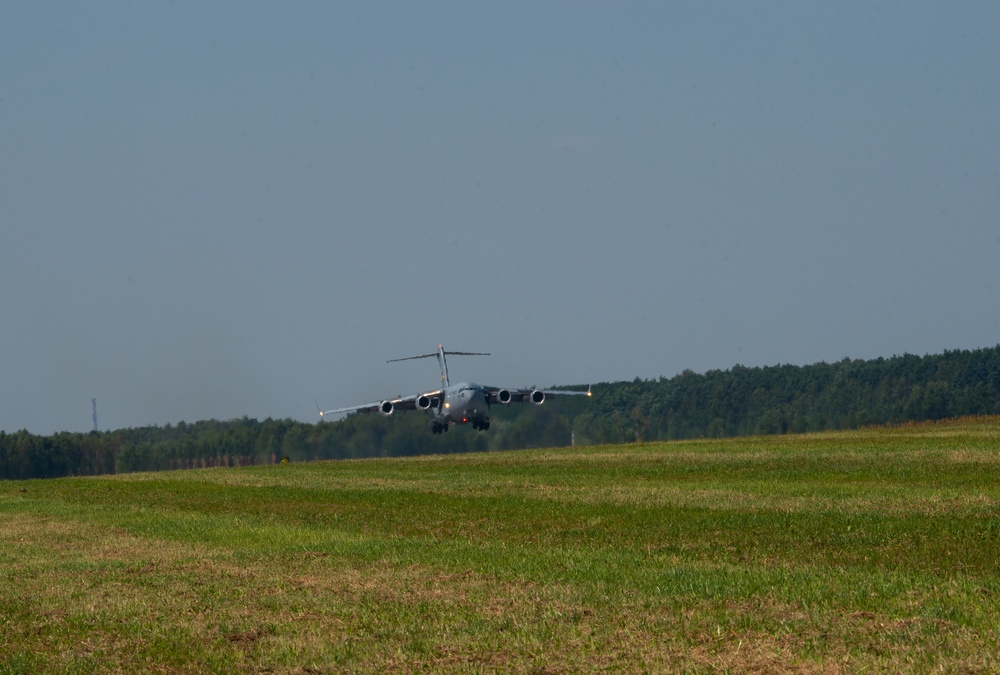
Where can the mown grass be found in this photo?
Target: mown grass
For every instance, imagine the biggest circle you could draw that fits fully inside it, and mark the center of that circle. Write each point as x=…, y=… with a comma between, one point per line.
x=876, y=549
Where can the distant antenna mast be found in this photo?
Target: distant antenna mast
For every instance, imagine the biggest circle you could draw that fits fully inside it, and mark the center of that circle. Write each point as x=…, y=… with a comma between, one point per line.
x=93, y=405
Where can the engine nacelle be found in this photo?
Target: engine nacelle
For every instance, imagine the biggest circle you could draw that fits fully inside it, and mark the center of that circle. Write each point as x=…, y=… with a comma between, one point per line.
x=385, y=408
x=423, y=402
x=503, y=396
x=538, y=397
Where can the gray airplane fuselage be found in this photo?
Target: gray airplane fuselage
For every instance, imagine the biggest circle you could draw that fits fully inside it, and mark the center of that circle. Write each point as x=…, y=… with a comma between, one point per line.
x=462, y=403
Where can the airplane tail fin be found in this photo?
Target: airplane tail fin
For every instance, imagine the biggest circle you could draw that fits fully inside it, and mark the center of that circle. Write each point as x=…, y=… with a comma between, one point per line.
x=442, y=361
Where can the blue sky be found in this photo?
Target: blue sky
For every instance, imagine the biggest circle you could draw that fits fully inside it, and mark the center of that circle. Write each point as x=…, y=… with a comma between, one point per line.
x=211, y=210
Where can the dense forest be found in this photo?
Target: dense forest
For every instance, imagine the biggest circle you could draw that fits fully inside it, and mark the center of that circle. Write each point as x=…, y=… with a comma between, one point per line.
x=740, y=401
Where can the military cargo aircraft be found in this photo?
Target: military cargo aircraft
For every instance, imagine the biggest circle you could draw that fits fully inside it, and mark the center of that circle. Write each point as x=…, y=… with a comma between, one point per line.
x=462, y=403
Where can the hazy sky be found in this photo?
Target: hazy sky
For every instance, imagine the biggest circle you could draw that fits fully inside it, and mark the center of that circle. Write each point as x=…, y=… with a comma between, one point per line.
x=219, y=209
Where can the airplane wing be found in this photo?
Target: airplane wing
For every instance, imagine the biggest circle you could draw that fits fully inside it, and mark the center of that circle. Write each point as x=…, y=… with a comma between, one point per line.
x=429, y=399
x=502, y=395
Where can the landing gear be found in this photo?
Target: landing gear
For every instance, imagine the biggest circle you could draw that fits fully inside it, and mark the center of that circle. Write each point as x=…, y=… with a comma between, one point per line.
x=438, y=428
x=481, y=426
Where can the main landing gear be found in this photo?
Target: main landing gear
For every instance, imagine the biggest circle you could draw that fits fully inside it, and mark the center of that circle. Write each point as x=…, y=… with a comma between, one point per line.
x=478, y=425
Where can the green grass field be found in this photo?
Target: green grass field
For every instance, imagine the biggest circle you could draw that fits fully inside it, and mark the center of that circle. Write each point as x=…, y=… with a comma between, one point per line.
x=870, y=550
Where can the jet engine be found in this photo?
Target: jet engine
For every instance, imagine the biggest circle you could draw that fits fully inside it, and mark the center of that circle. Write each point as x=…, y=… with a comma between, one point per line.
x=503, y=396
x=423, y=402
x=385, y=408
x=538, y=397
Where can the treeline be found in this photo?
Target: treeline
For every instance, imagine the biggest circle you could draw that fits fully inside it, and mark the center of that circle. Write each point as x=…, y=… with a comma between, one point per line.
x=739, y=401
x=782, y=399
x=242, y=442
